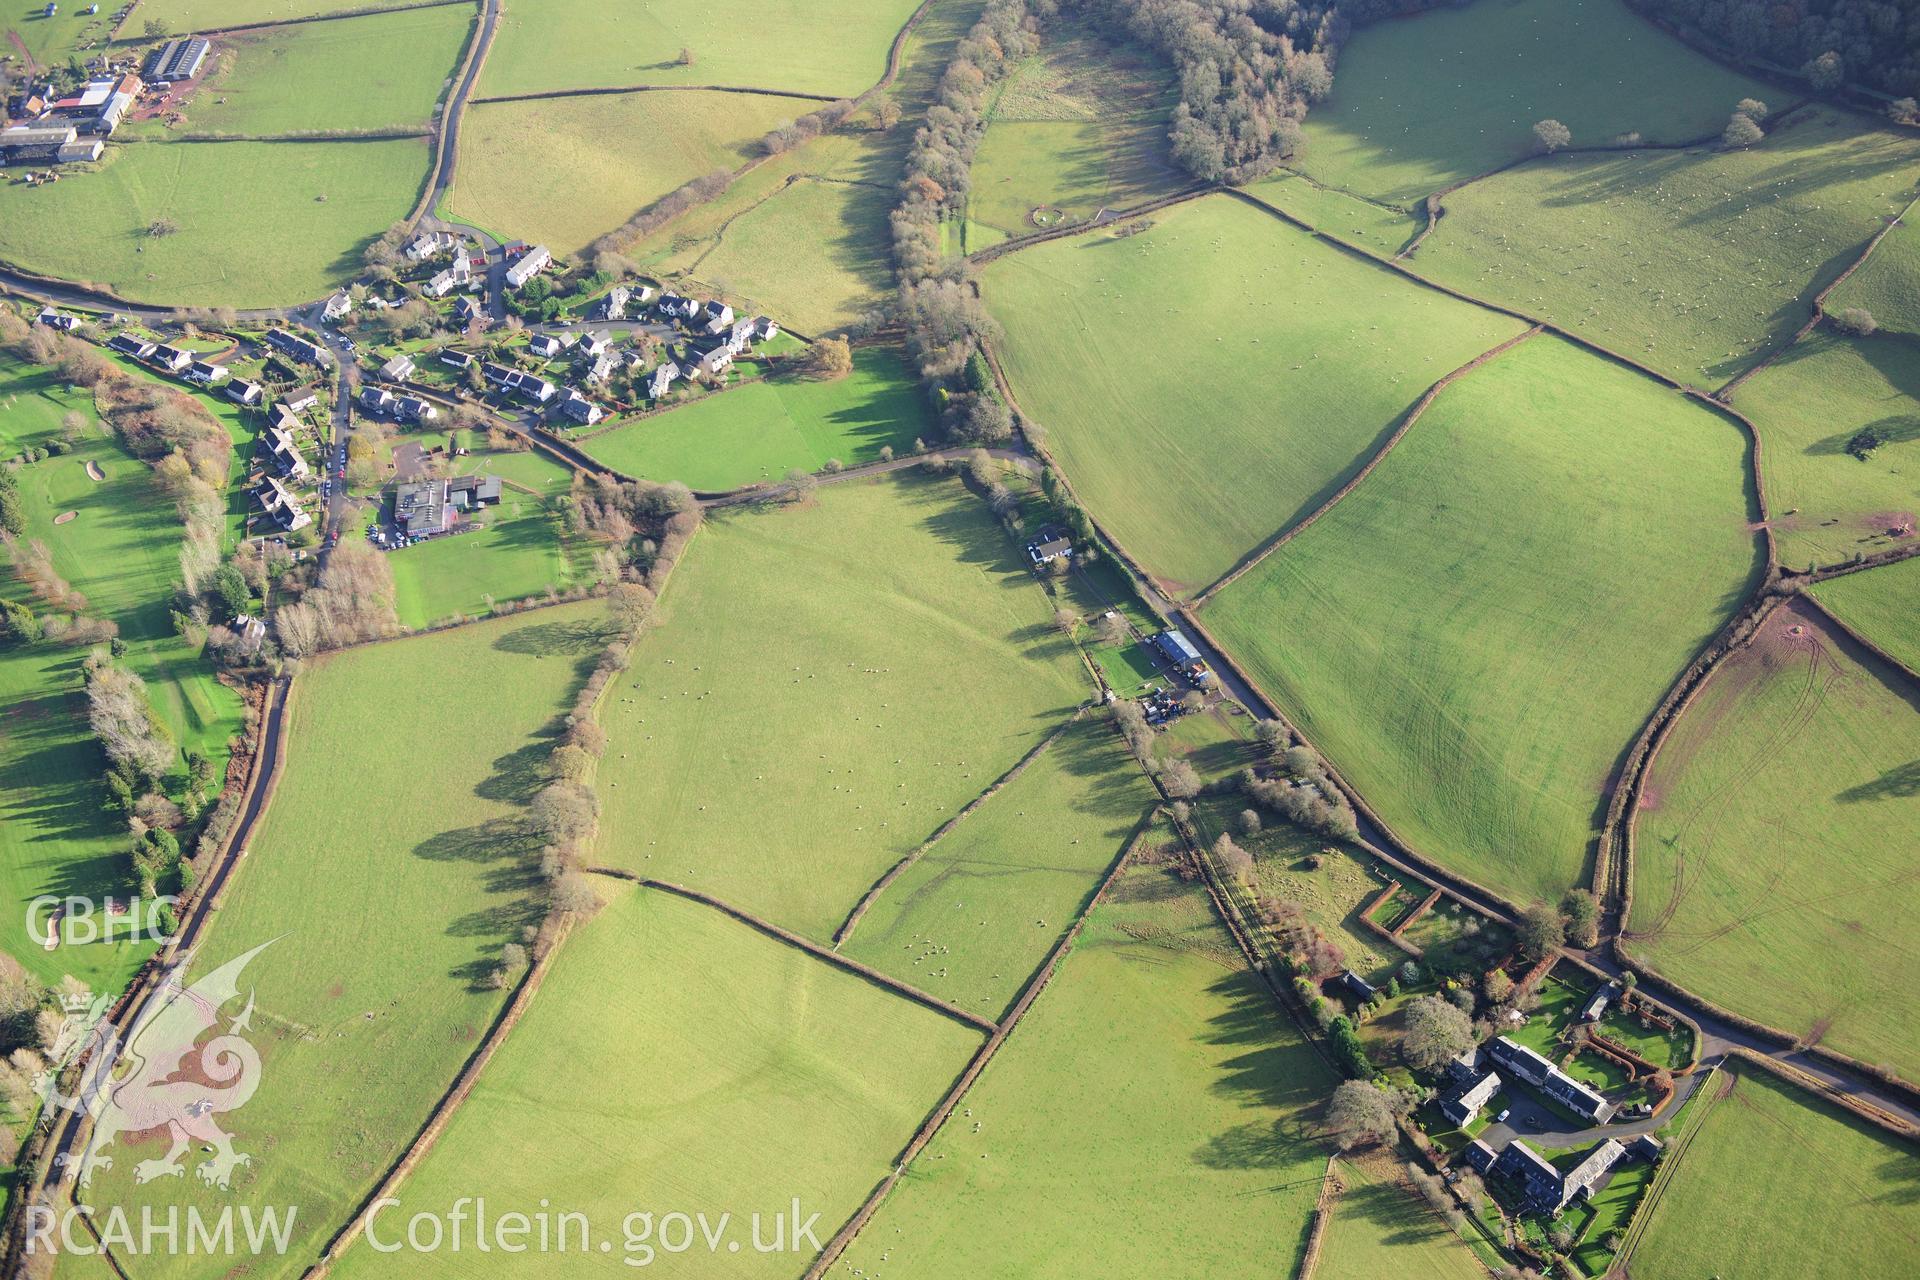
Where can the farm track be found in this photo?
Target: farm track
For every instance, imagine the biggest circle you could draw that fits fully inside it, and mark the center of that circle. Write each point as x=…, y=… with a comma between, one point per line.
x=614, y=91
x=894, y=872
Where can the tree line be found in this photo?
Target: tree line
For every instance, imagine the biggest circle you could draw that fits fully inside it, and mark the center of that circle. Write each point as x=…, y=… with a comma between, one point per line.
x=1874, y=43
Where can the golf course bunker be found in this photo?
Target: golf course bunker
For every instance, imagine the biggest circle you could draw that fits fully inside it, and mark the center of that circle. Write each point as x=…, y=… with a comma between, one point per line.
x=65, y=516
x=94, y=472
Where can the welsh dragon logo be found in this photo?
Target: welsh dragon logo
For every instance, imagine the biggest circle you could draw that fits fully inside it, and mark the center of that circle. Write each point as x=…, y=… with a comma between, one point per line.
x=165, y=1074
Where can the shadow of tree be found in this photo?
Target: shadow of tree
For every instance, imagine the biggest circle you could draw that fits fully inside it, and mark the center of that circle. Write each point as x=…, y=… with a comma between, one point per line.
x=1902, y=782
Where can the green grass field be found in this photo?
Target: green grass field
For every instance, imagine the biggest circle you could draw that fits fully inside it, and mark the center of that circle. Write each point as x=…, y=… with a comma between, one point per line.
x=1694, y=262
x=1380, y=228
x=830, y=685
x=205, y=15
x=563, y=171
x=1477, y=632
x=1776, y=847
x=1208, y=382
x=639, y=1095
x=1426, y=102
x=1078, y=128
x=121, y=550
x=1808, y=406
x=288, y=79
x=1381, y=1227
x=1334, y=895
x=259, y=224
x=759, y=431
x=380, y=923
x=1152, y=1115
x=1881, y=604
x=836, y=47
x=1779, y=1186
x=978, y=912
x=519, y=549
x=1888, y=283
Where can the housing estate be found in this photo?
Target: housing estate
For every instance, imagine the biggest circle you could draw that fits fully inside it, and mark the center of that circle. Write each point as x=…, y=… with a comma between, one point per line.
x=514, y=382
x=292, y=344
x=277, y=443
x=246, y=392
x=281, y=505
x=527, y=266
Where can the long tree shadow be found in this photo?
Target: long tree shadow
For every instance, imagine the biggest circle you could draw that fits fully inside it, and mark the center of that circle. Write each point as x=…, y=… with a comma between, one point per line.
x=1902, y=782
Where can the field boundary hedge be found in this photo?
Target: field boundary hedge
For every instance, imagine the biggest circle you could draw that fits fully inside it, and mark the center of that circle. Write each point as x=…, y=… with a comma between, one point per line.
x=1407, y=419
x=1330, y=1191
x=893, y=873
x=819, y=952
x=444, y=1108
x=943, y=1110
x=1650, y=1198
x=1820, y=302
x=608, y=91
x=365, y=11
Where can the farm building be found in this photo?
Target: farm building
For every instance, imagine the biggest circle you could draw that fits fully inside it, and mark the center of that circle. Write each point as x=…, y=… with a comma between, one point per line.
x=1539, y=1182
x=98, y=107
x=35, y=143
x=1357, y=987
x=1179, y=650
x=176, y=60
x=1462, y=1104
x=1531, y=1067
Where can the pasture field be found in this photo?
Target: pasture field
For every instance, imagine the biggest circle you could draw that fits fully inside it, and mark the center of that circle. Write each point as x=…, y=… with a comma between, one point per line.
x=181, y=16
x=760, y=430
x=1777, y=1185
x=370, y=994
x=1307, y=358
x=1881, y=604
x=1186, y=1090
x=802, y=238
x=980, y=910
x=830, y=684
x=519, y=549
x=832, y=47
x=1475, y=634
x=1427, y=102
x=287, y=79
x=1694, y=262
x=1381, y=1227
x=1888, y=283
x=1809, y=406
x=1333, y=896
x=1379, y=228
x=258, y=224
x=1080, y=127
x=648, y=1088
x=1776, y=847
x=562, y=171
